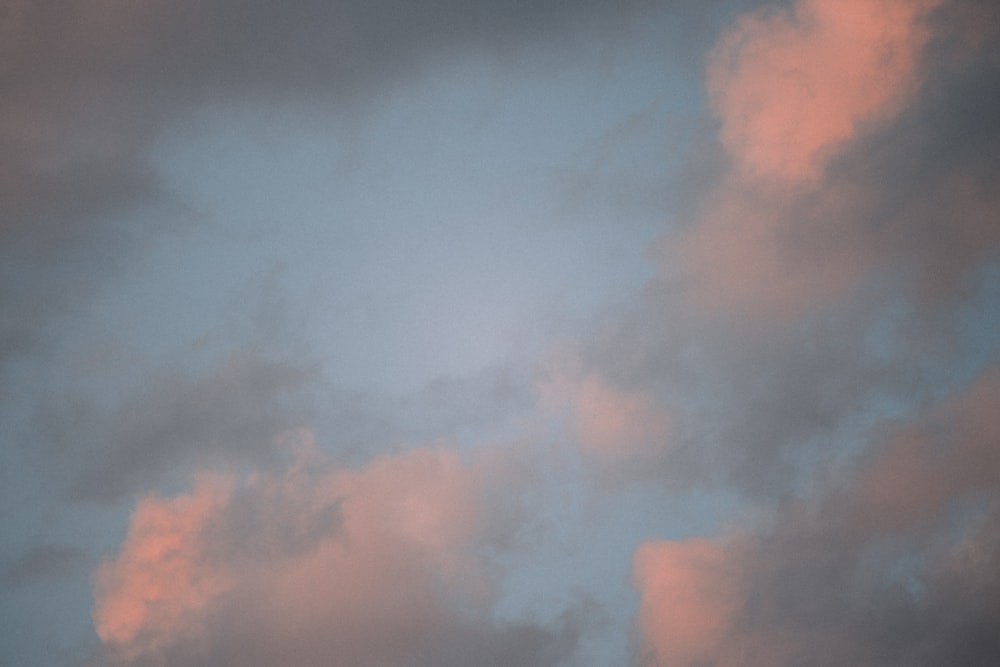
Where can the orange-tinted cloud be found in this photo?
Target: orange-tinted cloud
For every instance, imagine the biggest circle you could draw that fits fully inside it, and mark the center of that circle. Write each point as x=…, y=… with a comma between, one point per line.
x=893, y=562
x=613, y=421
x=378, y=562
x=159, y=587
x=791, y=85
x=607, y=420
x=792, y=88
x=750, y=254
x=913, y=480
x=690, y=592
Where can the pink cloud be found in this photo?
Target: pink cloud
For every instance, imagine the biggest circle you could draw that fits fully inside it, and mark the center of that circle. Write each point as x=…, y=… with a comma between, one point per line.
x=791, y=85
x=868, y=569
x=607, y=420
x=158, y=588
x=690, y=592
x=912, y=481
x=613, y=421
x=377, y=562
x=751, y=255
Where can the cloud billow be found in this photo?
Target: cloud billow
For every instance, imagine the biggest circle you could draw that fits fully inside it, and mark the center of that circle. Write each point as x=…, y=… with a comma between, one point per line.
x=370, y=566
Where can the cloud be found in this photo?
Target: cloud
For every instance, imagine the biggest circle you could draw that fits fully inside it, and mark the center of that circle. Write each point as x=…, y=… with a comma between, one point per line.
x=912, y=480
x=38, y=562
x=893, y=562
x=157, y=589
x=828, y=271
x=790, y=85
x=609, y=422
x=376, y=566
x=763, y=254
x=690, y=592
x=235, y=412
x=835, y=165
x=752, y=406
x=787, y=317
x=795, y=312
x=784, y=314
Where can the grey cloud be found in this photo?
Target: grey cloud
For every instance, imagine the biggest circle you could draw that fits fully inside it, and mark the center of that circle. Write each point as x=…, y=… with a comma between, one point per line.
x=933, y=211
x=234, y=413
x=912, y=202
x=887, y=558
x=450, y=641
x=753, y=406
x=39, y=562
x=271, y=524
x=894, y=563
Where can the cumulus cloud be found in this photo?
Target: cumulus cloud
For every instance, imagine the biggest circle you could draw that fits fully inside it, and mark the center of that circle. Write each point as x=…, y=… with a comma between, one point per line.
x=374, y=566
x=835, y=168
x=790, y=84
x=788, y=311
x=893, y=562
x=156, y=590
x=835, y=249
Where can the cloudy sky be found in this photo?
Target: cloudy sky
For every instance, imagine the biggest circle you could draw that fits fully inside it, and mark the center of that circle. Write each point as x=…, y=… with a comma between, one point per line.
x=380, y=333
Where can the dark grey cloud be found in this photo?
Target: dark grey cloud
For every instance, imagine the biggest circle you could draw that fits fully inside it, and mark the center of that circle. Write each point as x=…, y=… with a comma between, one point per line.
x=39, y=562
x=890, y=557
x=754, y=407
x=233, y=414
x=451, y=641
x=895, y=562
x=926, y=204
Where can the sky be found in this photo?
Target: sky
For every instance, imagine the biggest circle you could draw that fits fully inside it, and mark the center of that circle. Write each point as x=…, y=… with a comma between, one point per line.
x=409, y=334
